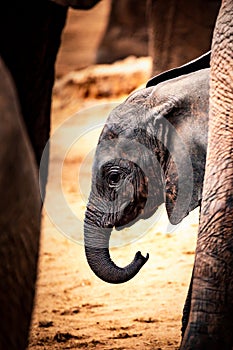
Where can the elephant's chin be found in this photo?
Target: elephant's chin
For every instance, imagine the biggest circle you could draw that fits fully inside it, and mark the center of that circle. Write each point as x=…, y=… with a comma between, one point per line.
x=124, y=224
x=129, y=217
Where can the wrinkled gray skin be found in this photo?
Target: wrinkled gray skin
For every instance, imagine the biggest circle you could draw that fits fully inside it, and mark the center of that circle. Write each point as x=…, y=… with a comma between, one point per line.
x=20, y=208
x=151, y=150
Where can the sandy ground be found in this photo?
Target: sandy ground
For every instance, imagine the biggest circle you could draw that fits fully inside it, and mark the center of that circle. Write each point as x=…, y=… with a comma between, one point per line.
x=73, y=308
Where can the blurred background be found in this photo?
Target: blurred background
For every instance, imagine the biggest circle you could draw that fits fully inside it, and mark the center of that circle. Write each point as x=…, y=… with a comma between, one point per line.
x=134, y=39
x=113, y=30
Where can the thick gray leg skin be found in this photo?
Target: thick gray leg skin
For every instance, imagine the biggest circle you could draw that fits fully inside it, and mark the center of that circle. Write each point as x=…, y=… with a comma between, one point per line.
x=20, y=209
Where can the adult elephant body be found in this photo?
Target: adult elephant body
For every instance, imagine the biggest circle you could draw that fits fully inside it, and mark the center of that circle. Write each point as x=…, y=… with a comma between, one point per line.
x=30, y=36
x=29, y=41
x=151, y=150
x=20, y=208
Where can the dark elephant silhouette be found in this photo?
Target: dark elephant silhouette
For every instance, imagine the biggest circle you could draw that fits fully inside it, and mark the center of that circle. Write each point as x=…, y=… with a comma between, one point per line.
x=30, y=36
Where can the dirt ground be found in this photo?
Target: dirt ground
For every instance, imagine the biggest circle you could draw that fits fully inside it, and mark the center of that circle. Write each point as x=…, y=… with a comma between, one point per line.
x=73, y=308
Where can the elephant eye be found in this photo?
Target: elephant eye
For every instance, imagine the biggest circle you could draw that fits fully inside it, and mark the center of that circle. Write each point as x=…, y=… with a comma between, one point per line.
x=114, y=178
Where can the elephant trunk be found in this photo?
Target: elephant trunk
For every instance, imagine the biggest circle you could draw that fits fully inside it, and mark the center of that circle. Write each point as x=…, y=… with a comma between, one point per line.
x=97, y=252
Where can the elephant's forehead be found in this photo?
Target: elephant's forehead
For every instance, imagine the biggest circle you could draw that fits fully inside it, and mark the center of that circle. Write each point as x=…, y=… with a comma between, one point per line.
x=119, y=148
x=125, y=117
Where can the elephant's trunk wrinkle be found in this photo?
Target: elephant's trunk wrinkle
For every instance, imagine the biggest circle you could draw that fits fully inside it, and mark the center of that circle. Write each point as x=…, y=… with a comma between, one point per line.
x=110, y=272
x=97, y=252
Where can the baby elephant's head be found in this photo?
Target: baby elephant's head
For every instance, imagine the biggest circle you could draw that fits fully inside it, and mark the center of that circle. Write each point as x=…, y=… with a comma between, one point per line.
x=151, y=150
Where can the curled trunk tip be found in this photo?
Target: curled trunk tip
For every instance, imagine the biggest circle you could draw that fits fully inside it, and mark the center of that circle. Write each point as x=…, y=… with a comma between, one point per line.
x=101, y=264
x=140, y=257
x=96, y=240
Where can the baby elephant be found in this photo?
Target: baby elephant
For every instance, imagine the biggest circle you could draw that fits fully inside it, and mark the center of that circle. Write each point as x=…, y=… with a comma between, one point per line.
x=152, y=150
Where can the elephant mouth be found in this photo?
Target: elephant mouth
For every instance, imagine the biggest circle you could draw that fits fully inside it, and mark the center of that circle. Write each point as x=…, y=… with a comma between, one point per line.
x=123, y=219
x=138, y=214
x=121, y=225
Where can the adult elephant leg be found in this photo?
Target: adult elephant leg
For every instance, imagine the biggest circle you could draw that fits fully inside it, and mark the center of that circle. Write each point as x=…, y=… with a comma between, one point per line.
x=179, y=31
x=20, y=208
x=126, y=33
x=211, y=318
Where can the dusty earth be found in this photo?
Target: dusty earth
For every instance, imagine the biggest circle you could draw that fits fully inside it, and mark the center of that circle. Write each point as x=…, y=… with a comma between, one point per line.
x=73, y=308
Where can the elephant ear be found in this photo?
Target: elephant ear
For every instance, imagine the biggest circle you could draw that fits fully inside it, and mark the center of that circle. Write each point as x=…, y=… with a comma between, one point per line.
x=178, y=192
x=190, y=67
x=171, y=190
